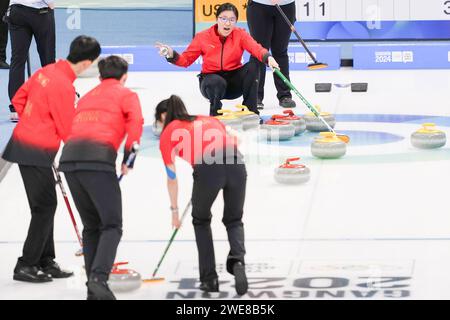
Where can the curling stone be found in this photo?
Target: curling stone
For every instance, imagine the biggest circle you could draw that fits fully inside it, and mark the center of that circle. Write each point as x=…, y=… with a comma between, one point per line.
x=250, y=120
x=124, y=280
x=314, y=124
x=229, y=119
x=428, y=137
x=91, y=72
x=290, y=173
x=328, y=146
x=277, y=130
x=289, y=116
x=157, y=129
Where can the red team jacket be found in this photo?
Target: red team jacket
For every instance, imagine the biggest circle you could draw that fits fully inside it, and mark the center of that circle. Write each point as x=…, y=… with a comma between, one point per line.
x=104, y=116
x=218, y=53
x=193, y=141
x=46, y=107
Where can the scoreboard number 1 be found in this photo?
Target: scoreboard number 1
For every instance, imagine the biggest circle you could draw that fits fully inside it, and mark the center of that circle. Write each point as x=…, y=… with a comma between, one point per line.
x=322, y=6
x=307, y=6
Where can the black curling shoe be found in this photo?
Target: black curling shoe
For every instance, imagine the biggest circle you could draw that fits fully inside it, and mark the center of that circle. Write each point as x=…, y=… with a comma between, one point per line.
x=100, y=289
x=31, y=274
x=210, y=285
x=240, y=278
x=55, y=271
x=90, y=295
x=287, y=103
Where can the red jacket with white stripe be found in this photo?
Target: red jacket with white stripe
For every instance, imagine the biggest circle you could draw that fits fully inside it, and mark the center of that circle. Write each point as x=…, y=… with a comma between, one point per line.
x=219, y=53
x=104, y=117
x=46, y=107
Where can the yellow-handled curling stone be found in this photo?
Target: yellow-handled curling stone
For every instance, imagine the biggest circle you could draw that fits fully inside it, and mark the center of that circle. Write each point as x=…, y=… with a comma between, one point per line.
x=328, y=146
x=250, y=120
x=228, y=118
x=314, y=124
x=428, y=137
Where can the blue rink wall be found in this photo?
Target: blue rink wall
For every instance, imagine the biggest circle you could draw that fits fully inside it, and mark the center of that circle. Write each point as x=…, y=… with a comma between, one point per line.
x=142, y=27
x=146, y=58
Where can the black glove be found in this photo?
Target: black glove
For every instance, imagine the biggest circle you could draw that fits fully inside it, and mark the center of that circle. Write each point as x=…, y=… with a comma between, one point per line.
x=129, y=156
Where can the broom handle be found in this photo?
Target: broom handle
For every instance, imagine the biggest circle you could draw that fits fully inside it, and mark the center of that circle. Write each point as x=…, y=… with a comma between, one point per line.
x=306, y=102
x=296, y=33
x=69, y=208
x=171, y=238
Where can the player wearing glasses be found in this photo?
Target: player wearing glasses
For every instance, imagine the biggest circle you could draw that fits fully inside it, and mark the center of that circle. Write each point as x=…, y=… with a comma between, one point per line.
x=221, y=47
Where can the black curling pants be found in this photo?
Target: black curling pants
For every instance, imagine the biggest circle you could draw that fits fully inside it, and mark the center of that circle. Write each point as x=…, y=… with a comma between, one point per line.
x=208, y=181
x=231, y=85
x=24, y=23
x=3, y=30
x=268, y=27
x=98, y=199
x=39, y=247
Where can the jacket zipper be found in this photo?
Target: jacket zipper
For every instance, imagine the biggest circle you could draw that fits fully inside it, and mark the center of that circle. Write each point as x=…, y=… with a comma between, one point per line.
x=221, y=54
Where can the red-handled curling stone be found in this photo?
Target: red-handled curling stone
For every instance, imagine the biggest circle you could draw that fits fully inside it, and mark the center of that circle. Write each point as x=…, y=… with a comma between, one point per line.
x=292, y=173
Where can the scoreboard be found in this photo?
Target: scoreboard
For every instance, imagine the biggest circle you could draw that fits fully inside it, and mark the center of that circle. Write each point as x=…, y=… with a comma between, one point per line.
x=373, y=10
x=353, y=19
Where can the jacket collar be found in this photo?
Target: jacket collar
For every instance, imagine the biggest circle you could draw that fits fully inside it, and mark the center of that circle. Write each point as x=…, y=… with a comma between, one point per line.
x=215, y=31
x=110, y=81
x=65, y=68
